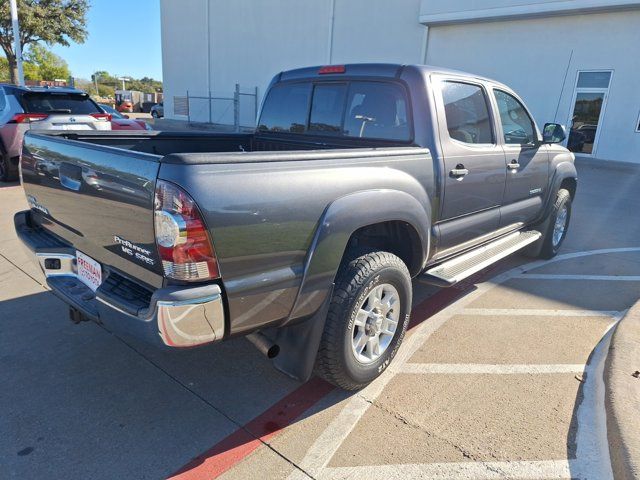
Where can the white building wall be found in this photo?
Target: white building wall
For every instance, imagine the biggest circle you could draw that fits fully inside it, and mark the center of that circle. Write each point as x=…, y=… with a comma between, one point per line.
x=252, y=40
x=184, y=53
x=210, y=45
x=533, y=55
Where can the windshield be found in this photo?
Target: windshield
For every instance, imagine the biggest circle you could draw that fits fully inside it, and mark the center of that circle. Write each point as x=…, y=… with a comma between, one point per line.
x=49, y=102
x=112, y=111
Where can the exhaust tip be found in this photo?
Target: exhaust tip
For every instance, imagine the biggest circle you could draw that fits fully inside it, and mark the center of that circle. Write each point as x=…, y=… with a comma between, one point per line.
x=264, y=344
x=273, y=351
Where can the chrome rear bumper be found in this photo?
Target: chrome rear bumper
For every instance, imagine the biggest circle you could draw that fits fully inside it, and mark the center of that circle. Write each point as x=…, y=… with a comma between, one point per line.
x=173, y=316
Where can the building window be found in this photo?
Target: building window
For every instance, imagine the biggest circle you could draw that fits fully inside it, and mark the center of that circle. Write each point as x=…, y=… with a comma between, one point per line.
x=589, y=102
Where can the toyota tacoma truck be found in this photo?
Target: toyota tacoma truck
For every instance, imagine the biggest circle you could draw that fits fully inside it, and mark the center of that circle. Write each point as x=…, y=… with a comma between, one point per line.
x=305, y=235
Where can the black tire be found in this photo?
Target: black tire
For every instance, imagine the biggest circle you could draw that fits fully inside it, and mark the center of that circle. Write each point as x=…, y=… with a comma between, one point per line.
x=336, y=362
x=550, y=248
x=5, y=169
x=154, y=114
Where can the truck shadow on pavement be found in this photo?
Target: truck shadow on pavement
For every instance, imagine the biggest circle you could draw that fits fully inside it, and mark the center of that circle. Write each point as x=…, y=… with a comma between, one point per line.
x=80, y=402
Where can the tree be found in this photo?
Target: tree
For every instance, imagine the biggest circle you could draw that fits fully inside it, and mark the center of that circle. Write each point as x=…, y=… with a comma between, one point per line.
x=50, y=66
x=49, y=21
x=31, y=71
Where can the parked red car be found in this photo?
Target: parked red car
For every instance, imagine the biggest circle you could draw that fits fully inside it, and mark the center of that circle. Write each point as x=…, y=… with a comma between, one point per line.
x=123, y=122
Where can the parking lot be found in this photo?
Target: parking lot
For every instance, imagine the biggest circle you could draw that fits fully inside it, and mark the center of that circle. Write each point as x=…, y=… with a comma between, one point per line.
x=499, y=377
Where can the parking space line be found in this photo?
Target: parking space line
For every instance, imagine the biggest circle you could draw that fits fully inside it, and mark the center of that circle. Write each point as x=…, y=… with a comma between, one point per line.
x=606, y=278
x=532, y=312
x=493, y=369
x=320, y=453
x=233, y=449
x=463, y=470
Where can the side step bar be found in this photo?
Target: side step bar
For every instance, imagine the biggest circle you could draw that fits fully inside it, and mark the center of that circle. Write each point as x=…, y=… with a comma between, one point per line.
x=452, y=271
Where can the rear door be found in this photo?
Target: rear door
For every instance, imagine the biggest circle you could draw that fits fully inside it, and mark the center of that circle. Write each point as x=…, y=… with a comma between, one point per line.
x=64, y=111
x=527, y=160
x=474, y=162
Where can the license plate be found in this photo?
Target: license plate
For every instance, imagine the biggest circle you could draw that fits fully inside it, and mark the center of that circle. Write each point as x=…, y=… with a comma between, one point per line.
x=70, y=126
x=89, y=271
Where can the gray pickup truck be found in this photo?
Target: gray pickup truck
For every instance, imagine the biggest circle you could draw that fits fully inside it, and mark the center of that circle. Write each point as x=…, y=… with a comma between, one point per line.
x=304, y=235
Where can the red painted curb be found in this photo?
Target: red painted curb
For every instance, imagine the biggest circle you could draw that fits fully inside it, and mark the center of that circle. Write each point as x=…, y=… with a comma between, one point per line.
x=236, y=447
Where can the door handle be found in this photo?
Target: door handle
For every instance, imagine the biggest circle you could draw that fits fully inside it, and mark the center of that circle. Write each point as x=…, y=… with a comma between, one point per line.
x=513, y=165
x=459, y=171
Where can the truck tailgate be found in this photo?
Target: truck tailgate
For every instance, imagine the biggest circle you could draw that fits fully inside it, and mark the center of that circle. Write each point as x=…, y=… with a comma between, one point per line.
x=98, y=199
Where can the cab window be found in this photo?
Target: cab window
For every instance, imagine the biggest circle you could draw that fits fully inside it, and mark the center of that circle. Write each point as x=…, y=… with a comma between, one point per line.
x=517, y=126
x=326, y=108
x=377, y=110
x=285, y=108
x=467, y=113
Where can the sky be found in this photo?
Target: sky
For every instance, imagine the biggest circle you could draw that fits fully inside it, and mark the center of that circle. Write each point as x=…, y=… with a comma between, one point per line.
x=124, y=39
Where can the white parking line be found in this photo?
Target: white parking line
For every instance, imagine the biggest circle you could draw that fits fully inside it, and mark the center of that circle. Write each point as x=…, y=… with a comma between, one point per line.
x=606, y=278
x=492, y=369
x=532, y=312
x=593, y=459
x=463, y=470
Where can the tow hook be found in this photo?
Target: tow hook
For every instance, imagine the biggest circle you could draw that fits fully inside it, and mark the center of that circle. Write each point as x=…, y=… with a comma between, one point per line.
x=76, y=316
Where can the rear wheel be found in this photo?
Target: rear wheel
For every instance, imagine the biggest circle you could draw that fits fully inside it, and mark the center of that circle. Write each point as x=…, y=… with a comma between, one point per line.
x=367, y=320
x=154, y=114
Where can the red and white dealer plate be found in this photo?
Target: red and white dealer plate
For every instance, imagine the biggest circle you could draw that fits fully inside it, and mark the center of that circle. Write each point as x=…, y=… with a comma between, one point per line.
x=89, y=271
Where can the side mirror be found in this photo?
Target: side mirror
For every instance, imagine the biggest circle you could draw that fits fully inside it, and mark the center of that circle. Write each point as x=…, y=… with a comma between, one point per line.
x=126, y=116
x=553, y=133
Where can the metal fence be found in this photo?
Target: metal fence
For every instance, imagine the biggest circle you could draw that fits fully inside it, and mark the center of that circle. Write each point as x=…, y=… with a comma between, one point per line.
x=238, y=111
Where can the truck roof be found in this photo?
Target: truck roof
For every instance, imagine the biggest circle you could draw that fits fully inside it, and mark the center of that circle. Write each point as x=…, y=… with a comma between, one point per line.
x=370, y=70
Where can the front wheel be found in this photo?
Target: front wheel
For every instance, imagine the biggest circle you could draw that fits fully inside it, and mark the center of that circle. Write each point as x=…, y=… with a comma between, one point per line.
x=558, y=225
x=367, y=320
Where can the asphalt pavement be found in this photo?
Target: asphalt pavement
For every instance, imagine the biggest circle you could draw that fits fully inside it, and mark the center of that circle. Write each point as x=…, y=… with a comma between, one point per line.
x=499, y=377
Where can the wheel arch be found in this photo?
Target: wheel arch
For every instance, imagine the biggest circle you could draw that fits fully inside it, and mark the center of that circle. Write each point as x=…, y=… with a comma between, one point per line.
x=360, y=219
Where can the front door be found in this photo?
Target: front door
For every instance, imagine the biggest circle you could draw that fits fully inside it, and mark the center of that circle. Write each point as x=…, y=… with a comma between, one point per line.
x=588, y=105
x=474, y=163
x=527, y=161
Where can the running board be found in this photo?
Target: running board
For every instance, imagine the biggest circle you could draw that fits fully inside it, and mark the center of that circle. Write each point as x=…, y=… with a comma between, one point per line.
x=452, y=271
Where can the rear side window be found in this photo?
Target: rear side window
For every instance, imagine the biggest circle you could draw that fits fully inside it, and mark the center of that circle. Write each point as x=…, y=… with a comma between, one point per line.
x=467, y=114
x=285, y=108
x=3, y=99
x=49, y=102
x=377, y=110
x=327, y=107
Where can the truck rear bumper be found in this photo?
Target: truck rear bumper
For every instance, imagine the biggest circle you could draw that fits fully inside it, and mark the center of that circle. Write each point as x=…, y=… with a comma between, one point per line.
x=171, y=316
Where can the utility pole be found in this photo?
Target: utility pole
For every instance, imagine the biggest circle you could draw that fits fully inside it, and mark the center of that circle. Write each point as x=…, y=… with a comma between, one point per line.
x=16, y=40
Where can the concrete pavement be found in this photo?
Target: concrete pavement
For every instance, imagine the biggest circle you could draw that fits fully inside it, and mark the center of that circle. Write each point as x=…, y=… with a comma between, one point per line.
x=504, y=382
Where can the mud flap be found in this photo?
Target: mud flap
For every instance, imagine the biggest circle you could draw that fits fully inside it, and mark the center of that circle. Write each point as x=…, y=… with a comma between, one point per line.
x=535, y=248
x=299, y=344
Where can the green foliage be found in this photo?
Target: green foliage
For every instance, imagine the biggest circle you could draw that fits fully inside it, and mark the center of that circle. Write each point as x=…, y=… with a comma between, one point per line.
x=43, y=21
x=30, y=70
x=145, y=84
x=49, y=65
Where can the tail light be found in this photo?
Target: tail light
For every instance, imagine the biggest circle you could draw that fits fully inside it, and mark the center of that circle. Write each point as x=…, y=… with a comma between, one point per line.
x=28, y=117
x=183, y=243
x=102, y=116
